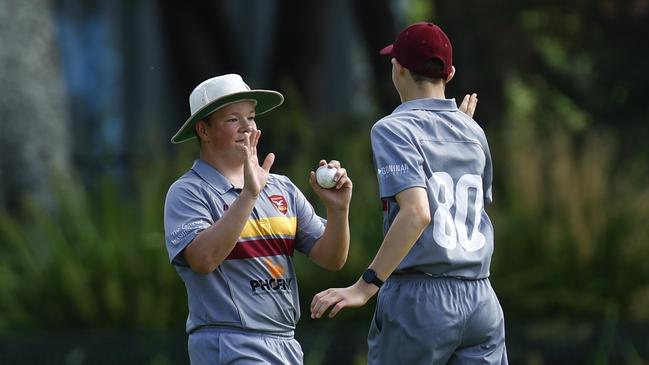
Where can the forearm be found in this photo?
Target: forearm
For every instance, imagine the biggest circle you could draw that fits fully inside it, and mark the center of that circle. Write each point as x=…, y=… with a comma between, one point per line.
x=410, y=222
x=398, y=241
x=330, y=252
x=402, y=235
x=214, y=244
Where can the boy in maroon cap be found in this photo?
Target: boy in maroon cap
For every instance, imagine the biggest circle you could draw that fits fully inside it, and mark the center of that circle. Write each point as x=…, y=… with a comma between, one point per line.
x=434, y=169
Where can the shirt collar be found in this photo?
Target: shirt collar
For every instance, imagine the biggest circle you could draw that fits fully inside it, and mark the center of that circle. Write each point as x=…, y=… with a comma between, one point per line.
x=428, y=104
x=212, y=176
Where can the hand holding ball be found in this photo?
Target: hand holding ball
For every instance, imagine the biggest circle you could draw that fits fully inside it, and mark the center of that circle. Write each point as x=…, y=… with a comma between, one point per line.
x=325, y=176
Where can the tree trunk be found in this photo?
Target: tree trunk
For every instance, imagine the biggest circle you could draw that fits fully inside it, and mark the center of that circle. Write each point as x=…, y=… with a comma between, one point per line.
x=34, y=138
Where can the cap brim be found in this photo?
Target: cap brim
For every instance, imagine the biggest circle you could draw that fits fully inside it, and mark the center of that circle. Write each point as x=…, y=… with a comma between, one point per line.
x=267, y=100
x=386, y=51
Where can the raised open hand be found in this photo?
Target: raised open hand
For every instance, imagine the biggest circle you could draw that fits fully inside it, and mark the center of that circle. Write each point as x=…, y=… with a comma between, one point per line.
x=255, y=175
x=469, y=104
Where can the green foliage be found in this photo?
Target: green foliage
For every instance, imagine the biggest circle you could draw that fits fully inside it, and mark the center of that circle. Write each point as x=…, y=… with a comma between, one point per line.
x=419, y=10
x=97, y=260
x=569, y=218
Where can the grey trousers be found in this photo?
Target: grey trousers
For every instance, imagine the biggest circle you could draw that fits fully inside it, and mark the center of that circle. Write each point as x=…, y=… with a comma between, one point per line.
x=435, y=321
x=214, y=346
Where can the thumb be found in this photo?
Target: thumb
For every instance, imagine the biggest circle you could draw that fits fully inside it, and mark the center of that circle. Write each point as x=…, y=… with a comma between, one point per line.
x=313, y=182
x=268, y=162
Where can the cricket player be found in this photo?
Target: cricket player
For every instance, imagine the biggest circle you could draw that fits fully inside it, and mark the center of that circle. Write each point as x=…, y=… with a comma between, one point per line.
x=231, y=228
x=435, y=303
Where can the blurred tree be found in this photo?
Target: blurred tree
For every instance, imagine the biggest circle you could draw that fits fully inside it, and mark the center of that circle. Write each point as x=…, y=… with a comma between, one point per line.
x=321, y=48
x=592, y=52
x=145, y=90
x=197, y=44
x=134, y=63
x=88, y=34
x=378, y=31
x=34, y=121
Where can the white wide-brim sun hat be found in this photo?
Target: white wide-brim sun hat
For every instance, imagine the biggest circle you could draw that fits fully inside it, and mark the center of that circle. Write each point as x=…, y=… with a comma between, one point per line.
x=219, y=91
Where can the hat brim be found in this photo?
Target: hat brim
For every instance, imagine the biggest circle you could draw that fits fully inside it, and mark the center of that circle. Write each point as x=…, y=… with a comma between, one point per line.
x=387, y=50
x=267, y=100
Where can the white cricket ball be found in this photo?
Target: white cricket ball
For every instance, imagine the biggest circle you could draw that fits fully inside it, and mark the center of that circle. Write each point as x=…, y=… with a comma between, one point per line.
x=325, y=176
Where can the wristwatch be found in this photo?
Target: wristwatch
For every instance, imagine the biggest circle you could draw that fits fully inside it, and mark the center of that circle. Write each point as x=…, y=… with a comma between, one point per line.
x=369, y=276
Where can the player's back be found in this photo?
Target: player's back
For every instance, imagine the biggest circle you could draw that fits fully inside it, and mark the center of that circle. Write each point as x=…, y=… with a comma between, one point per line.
x=429, y=143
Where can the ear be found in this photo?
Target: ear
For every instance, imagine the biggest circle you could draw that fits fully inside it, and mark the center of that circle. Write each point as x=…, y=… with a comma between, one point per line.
x=398, y=68
x=201, y=130
x=450, y=76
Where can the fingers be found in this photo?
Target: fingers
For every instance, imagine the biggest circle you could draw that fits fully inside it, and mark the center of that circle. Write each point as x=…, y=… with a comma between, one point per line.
x=246, y=143
x=473, y=102
x=257, y=136
x=244, y=152
x=340, y=305
x=322, y=301
x=340, y=177
x=313, y=181
x=469, y=104
x=318, y=305
x=465, y=103
x=334, y=163
x=316, y=299
x=255, y=141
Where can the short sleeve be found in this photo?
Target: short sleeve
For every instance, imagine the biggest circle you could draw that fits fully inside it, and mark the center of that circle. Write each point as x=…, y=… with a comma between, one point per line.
x=310, y=226
x=397, y=160
x=185, y=215
x=487, y=179
x=487, y=174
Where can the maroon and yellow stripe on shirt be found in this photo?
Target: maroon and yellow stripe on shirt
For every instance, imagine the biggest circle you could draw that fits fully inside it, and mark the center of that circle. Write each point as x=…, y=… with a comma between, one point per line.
x=266, y=237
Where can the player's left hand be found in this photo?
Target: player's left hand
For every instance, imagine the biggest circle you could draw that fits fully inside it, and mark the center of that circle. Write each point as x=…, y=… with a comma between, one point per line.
x=353, y=296
x=469, y=104
x=340, y=195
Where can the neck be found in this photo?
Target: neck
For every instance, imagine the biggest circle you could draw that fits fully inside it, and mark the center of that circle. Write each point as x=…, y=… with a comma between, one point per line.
x=229, y=168
x=423, y=90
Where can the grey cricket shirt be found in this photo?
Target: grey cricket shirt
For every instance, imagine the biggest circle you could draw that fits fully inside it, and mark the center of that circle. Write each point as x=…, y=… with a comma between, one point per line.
x=429, y=143
x=255, y=287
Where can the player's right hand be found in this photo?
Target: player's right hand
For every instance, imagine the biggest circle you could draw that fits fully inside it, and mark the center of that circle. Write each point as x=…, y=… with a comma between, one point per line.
x=352, y=296
x=255, y=176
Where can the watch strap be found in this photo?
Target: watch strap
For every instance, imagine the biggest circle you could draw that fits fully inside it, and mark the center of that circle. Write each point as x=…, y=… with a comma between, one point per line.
x=369, y=276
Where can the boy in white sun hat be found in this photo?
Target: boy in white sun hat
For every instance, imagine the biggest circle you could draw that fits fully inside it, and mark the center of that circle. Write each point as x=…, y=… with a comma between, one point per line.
x=231, y=228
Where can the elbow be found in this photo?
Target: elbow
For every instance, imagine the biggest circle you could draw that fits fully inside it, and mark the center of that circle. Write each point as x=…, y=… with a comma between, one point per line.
x=200, y=265
x=202, y=269
x=335, y=266
x=338, y=265
x=199, y=260
x=331, y=264
x=426, y=219
x=421, y=217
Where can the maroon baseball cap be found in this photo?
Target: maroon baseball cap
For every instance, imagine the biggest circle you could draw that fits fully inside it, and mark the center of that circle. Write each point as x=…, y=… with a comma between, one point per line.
x=417, y=45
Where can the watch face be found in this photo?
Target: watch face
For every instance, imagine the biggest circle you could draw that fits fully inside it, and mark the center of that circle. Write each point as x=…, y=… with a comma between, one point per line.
x=369, y=275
